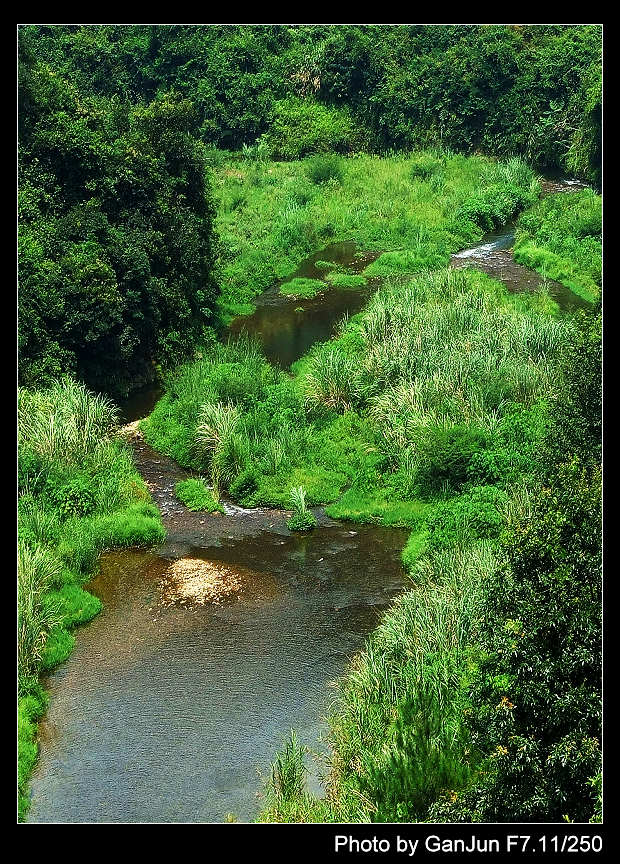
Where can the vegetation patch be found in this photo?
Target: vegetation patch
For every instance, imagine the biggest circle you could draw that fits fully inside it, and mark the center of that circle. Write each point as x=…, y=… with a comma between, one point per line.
x=302, y=287
x=560, y=237
x=302, y=519
x=195, y=494
x=79, y=494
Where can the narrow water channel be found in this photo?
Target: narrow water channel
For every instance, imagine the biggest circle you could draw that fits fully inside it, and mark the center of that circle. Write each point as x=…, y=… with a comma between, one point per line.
x=172, y=713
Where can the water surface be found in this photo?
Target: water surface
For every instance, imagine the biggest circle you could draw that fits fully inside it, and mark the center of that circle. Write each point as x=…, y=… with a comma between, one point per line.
x=174, y=715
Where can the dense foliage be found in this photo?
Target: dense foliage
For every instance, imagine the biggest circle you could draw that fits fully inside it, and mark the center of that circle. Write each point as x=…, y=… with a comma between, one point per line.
x=447, y=405
x=536, y=691
x=504, y=89
x=115, y=238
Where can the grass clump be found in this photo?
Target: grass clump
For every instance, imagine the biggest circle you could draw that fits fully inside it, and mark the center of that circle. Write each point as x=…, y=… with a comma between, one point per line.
x=424, y=165
x=302, y=287
x=322, y=169
x=302, y=519
x=195, y=494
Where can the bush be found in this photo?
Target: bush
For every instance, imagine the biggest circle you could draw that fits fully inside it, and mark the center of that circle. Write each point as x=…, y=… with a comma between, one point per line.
x=445, y=456
x=301, y=127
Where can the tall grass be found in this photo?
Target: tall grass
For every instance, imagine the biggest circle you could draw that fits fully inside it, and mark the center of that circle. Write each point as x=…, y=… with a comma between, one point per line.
x=37, y=572
x=65, y=422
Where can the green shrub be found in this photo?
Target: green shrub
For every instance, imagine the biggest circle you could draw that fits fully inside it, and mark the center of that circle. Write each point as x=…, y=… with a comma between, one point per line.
x=194, y=493
x=75, y=498
x=445, y=456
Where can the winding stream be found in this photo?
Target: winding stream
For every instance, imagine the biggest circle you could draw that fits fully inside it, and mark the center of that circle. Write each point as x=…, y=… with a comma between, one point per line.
x=172, y=713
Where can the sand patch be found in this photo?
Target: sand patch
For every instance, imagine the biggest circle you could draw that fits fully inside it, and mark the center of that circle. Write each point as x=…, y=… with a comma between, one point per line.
x=131, y=432
x=194, y=582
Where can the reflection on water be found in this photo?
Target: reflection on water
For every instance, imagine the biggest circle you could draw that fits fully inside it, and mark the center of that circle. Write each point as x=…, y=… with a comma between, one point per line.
x=287, y=327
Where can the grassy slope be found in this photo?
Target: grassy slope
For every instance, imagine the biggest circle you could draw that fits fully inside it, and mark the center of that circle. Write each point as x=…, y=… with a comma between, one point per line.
x=560, y=237
x=79, y=494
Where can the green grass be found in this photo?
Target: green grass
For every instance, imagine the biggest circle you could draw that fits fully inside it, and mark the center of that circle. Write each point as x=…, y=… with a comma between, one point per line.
x=271, y=215
x=442, y=359
x=195, y=494
x=79, y=494
x=560, y=237
x=302, y=287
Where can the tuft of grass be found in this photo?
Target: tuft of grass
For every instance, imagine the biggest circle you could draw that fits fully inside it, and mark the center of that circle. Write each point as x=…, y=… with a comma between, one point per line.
x=195, y=494
x=324, y=167
x=302, y=519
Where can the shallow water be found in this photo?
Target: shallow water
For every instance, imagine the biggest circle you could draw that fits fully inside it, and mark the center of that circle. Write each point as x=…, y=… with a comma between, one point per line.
x=172, y=715
x=287, y=327
x=493, y=255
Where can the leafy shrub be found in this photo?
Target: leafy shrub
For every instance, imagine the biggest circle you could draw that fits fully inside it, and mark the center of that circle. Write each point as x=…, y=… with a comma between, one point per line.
x=75, y=498
x=475, y=515
x=445, y=456
x=301, y=127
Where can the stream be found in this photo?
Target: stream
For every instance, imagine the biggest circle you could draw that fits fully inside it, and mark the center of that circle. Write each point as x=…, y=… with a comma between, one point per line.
x=172, y=713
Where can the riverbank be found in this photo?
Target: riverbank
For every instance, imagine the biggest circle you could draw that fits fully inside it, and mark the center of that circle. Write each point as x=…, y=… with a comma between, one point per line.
x=79, y=494
x=273, y=215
